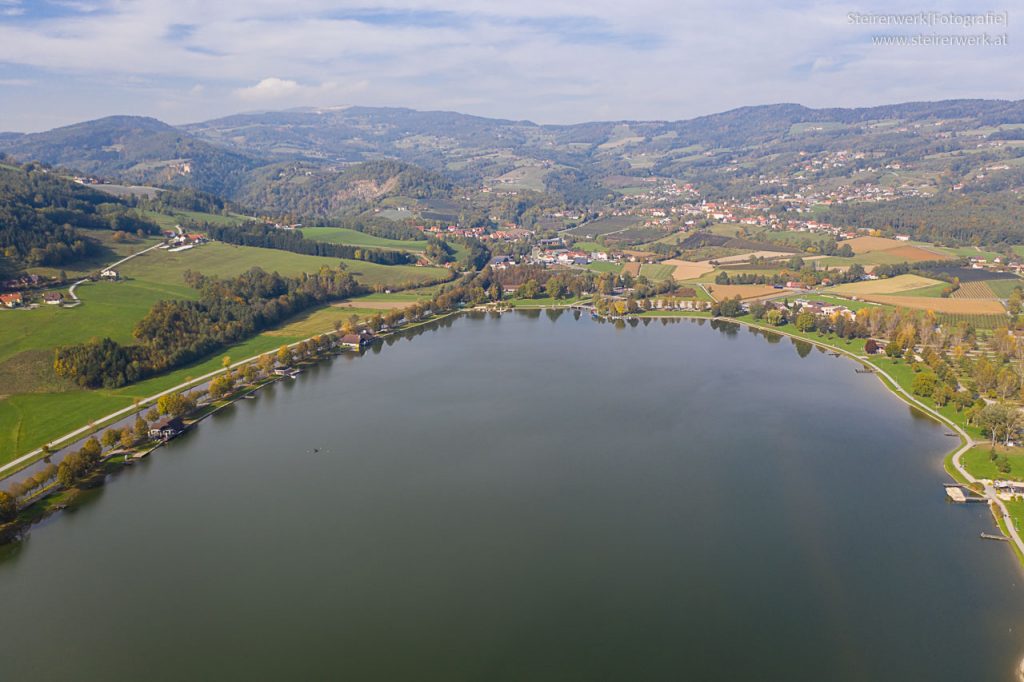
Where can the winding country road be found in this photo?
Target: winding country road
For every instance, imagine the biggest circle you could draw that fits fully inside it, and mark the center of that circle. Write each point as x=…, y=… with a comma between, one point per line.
x=71, y=290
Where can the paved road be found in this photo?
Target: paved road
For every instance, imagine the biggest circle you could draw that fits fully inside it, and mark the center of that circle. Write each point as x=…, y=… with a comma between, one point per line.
x=71, y=290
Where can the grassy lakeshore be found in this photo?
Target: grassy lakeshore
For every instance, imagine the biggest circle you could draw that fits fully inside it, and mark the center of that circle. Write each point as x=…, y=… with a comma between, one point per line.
x=894, y=373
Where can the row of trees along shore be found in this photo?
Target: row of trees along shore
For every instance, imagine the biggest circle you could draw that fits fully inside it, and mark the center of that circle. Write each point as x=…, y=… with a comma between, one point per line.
x=979, y=374
x=84, y=462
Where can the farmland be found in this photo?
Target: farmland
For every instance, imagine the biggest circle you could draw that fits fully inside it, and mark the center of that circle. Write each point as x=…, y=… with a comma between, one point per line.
x=341, y=235
x=892, y=285
x=974, y=290
x=976, y=321
x=604, y=226
x=745, y=291
x=111, y=309
x=227, y=260
x=1002, y=288
x=868, y=244
x=657, y=272
x=941, y=305
x=687, y=269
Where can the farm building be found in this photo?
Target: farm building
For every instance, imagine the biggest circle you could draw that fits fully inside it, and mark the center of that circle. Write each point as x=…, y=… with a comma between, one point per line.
x=53, y=297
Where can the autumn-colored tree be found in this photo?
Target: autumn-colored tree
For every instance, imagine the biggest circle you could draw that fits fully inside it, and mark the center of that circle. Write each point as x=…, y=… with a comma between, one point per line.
x=221, y=386
x=140, y=429
x=8, y=507
x=250, y=373
x=109, y=438
x=172, y=404
x=284, y=355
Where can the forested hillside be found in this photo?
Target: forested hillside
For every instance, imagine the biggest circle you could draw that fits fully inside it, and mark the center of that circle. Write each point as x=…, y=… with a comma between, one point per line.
x=45, y=220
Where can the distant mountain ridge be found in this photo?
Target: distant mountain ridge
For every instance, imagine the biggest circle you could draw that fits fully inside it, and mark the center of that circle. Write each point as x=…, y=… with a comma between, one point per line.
x=261, y=156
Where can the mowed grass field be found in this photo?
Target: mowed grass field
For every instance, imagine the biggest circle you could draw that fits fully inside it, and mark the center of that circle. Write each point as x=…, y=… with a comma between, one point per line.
x=36, y=406
x=1003, y=288
x=227, y=260
x=657, y=272
x=979, y=462
x=109, y=309
x=342, y=235
x=892, y=285
x=109, y=251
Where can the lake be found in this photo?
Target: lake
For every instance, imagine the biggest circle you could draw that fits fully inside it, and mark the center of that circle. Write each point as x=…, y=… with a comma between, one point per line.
x=531, y=497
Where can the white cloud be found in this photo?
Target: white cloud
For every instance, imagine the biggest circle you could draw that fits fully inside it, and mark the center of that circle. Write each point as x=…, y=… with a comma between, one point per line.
x=269, y=89
x=281, y=90
x=573, y=60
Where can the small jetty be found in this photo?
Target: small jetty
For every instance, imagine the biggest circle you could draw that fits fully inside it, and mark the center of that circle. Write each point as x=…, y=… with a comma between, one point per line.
x=864, y=370
x=956, y=494
x=990, y=536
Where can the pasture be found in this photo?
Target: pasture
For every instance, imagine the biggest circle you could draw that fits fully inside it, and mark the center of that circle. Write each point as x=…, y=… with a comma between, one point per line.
x=343, y=235
x=227, y=260
x=605, y=266
x=657, y=272
x=1003, y=288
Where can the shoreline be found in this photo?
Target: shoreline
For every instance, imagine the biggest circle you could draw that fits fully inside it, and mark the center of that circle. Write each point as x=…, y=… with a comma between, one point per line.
x=951, y=460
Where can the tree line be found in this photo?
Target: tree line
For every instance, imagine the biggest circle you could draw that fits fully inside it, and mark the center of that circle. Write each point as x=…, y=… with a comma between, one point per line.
x=174, y=333
x=269, y=237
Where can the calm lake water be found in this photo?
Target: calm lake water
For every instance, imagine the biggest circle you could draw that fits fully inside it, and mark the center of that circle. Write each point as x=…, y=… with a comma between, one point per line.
x=533, y=497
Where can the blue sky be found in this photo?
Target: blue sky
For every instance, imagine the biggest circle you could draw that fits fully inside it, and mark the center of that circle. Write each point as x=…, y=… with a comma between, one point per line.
x=63, y=61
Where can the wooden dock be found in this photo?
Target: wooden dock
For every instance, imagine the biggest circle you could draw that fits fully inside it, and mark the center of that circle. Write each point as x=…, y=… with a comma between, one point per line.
x=957, y=494
x=990, y=536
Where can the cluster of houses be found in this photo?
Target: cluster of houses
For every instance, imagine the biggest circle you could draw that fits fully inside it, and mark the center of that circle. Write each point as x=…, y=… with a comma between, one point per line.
x=16, y=299
x=24, y=282
x=180, y=242
x=820, y=308
x=453, y=231
x=997, y=264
